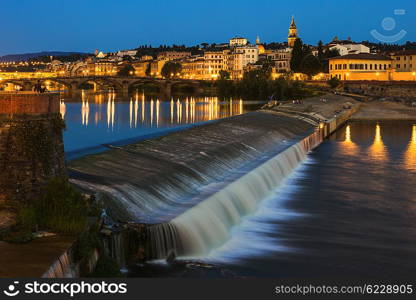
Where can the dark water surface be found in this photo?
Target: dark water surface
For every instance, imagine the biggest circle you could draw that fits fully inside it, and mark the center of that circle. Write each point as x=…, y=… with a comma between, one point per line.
x=348, y=210
x=96, y=119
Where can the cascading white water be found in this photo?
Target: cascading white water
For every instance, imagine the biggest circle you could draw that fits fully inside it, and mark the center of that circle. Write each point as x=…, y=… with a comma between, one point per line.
x=62, y=268
x=207, y=225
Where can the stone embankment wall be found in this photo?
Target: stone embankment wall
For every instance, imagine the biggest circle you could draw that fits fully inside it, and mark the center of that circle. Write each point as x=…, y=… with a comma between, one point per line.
x=382, y=89
x=31, y=145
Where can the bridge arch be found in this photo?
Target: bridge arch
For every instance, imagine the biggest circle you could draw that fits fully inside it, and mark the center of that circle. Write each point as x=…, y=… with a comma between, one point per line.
x=11, y=85
x=185, y=86
x=145, y=85
x=52, y=84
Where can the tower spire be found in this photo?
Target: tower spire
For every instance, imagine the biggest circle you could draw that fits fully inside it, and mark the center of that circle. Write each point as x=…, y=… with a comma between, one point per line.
x=293, y=24
x=293, y=33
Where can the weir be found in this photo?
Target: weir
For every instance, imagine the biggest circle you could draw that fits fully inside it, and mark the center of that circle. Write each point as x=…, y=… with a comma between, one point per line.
x=190, y=188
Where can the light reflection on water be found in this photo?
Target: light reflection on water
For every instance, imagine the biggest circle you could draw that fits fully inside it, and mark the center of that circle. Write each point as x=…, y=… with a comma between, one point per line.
x=96, y=119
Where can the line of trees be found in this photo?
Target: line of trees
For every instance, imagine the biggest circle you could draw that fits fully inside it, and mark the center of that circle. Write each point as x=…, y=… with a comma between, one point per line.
x=304, y=61
x=171, y=69
x=258, y=84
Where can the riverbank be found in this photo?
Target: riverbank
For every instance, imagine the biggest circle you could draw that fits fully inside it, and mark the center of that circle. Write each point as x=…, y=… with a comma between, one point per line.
x=384, y=110
x=31, y=259
x=157, y=180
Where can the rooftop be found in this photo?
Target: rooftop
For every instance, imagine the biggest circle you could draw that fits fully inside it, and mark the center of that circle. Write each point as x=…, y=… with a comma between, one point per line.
x=404, y=52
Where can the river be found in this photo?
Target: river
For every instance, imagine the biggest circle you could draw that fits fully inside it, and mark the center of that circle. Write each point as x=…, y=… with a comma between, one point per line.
x=96, y=119
x=348, y=210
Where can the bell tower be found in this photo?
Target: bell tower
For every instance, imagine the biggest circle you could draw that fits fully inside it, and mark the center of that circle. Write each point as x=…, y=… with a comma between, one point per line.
x=293, y=33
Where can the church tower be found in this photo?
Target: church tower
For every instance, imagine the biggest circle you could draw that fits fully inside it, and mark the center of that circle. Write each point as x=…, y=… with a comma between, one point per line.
x=293, y=33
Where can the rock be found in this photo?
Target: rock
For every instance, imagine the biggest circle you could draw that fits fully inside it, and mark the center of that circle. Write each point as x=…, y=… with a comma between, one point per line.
x=41, y=234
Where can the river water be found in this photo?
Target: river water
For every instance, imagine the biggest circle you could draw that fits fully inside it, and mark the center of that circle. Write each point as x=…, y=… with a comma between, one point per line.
x=96, y=119
x=348, y=210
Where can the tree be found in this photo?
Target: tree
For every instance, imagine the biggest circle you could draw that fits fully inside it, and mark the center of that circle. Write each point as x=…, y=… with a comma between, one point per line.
x=126, y=70
x=320, y=51
x=325, y=58
x=224, y=75
x=333, y=82
x=297, y=56
x=127, y=58
x=310, y=65
x=171, y=69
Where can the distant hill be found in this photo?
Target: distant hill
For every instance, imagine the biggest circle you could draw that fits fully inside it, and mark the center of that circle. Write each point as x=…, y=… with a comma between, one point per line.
x=27, y=56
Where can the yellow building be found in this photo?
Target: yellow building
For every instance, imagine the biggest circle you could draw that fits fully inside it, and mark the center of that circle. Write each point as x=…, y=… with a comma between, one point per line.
x=363, y=66
x=140, y=67
x=194, y=68
x=100, y=67
x=404, y=61
x=293, y=33
x=400, y=66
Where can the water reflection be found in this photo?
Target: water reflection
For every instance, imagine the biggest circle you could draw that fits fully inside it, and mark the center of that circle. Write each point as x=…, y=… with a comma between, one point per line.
x=85, y=112
x=378, y=150
x=349, y=147
x=62, y=108
x=117, y=119
x=410, y=155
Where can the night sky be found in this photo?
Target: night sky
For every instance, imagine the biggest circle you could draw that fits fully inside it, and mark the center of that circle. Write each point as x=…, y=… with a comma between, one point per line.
x=109, y=25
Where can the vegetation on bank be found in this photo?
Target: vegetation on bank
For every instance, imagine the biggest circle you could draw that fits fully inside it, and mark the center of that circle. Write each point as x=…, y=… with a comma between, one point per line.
x=171, y=69
x=59, y=209
x=258, y=84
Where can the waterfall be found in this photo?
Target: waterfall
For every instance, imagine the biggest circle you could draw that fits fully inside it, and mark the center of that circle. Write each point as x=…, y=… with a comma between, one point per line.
x=190, y=188
x=62, y=268
x=207, y=225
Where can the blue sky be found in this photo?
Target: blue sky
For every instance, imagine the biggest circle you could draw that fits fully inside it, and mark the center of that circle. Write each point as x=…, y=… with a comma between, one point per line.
x=84, y=25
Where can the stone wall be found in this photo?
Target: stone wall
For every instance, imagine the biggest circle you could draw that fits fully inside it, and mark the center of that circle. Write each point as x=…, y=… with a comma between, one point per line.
x=31, y=145
x=382, y=89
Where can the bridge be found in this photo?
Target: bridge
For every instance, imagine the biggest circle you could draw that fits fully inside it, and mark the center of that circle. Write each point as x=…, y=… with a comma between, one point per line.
x=118, y=84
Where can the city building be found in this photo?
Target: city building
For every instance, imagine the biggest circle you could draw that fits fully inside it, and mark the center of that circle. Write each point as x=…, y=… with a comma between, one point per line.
x=363, y=66
x=260, y=46
x=100, y=67
x=131, y=53
x=238, y=41
x=404, y=61
x=140, y=67
x=194, y=68
x=171, y=55
x=215, y=61
x=352, y=48
x=280, y=59
x=404, y=65
x=398, y=66
x=146, y=57
x=293, y=33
